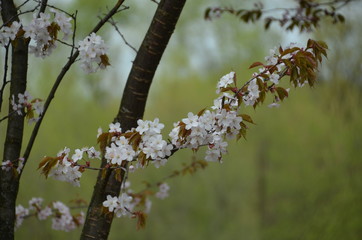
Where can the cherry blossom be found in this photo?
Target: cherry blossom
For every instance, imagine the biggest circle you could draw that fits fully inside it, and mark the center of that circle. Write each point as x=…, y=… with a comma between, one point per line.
x=163, y=191
x=92, y=50
x=111, y=203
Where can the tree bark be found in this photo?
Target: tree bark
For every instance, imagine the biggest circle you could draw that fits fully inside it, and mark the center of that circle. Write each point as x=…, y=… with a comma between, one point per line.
x=97, y=224
x=9, y=181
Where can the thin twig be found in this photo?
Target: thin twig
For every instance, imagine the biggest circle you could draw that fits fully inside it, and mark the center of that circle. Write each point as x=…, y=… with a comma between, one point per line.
x=17, y=15
x=114, y=24
x=74, y=31
x=65, y=43
x=7, y=116
x=155, y=1
x=21, y=5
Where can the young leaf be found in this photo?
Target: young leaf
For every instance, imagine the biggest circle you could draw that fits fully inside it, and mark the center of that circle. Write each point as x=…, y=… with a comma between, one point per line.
x=282, y=93
x=255, y=64
x=141, y=219
x=247, y=118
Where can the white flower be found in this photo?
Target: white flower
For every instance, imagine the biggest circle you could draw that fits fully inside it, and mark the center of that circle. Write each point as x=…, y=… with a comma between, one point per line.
x=63, y=220
x=253, y=93
x=63, y=22
x=156, y=126
x=212, y=155
x=64, y=152
x=115, y=127
x=6, y=165
x=20, y=212
x=44, y=213
x=24, y=98
x=4, y=39
x=92, y=153
x=272, y=105
x=163, y=191
x=253, y=89
x=124, y=207
x=90, y=51
x=16, y=107
x=225, y=81
x=274, y=78
x=78, y=155
x=143, y=126
x=13, y=30
x=159, y=162
x=43, y=20
x=191, y=120
x=38, y=107
x=111, y=203
x=61, y=207
x=272, y=59
x=35, y=203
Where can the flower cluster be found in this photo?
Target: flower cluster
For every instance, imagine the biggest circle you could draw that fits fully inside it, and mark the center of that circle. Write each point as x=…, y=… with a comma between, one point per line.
x=213, y=127
x=9, y=33
x=30, y=106
x=44, y=32
x=8, y=165
x=66, y=168
x=210, y=127
x=121, y=206
x=163, y=191
x=144, y=144
x=129, y=202
x=62, y=219
x=93, y=53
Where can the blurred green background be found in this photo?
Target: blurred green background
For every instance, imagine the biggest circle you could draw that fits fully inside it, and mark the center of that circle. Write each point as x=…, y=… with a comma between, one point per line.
x=298, y=175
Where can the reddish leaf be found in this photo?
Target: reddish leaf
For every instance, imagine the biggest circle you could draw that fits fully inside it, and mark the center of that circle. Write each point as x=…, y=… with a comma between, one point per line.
x=201, y=112
x=141, y=220
x=282, y=93
x=256, y=64
x=247, y=118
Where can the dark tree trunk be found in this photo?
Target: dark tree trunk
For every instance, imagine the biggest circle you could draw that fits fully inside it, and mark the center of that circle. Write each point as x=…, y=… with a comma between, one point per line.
x=98, y=224
x=9, y=182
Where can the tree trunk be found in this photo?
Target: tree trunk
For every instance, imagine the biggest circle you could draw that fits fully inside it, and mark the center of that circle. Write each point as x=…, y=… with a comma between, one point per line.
x=97, y=225
x=9, y=181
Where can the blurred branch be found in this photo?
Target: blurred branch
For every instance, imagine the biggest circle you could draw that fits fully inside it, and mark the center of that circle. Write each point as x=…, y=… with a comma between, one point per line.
x=305, y=16
x=114, y=24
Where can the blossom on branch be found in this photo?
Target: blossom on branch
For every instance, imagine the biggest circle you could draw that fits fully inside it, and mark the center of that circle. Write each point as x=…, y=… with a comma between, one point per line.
x=93, y=51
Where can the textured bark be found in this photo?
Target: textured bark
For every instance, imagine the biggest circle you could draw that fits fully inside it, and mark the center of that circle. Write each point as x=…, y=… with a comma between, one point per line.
x=9, y=182
x=97, y=225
